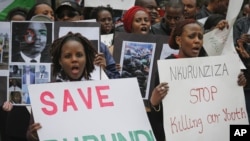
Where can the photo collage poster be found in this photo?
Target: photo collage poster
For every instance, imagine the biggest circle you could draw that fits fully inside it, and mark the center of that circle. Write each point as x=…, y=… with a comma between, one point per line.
x=139, y=53
x=29, y=58
x=25, y=57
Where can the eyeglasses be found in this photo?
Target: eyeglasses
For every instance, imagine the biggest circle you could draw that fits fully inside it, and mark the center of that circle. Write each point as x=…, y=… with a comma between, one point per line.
x=69, y=14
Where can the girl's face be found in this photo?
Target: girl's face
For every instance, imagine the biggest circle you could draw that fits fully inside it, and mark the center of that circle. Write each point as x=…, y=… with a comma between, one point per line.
x=73, y=59
x=105, y=19
x=44, y=9
x=190, y=41
x=141, y=23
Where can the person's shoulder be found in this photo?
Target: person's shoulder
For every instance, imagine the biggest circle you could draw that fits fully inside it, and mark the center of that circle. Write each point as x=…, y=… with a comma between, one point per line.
x=243, y=19
x=156, y=25
x=120, y=28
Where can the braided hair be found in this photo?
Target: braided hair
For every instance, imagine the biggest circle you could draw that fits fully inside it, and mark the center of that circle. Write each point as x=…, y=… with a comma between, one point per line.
x=56, y=51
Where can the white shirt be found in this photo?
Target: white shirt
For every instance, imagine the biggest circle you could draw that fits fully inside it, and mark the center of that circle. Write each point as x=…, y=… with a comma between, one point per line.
x=28, y=59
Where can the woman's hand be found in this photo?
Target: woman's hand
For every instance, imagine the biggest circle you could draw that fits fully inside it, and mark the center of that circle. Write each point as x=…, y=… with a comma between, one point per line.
x=100, y=60
x=7, y=106
x=159, y=93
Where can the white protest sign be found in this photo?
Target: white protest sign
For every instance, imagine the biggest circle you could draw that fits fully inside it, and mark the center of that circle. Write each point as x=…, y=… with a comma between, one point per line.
x=115, y=4
x=203, y=99
x=214, y=41
x=90, y=110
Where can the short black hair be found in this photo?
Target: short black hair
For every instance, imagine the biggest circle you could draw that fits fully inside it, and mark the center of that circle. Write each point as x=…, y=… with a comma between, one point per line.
x=95, y=11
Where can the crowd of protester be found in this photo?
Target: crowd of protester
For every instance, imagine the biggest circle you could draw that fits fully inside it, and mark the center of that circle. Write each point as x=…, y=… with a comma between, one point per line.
x=143, y=18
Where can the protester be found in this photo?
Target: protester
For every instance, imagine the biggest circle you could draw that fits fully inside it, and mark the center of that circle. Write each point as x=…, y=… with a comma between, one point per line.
x=173, y=14
x=246, y=10
x=191, y=8
x=103, y=59
x=189, y=47
x=136, y=20
x=73, y=60
x=68, y=10
x=104, y=16
x=42, y=8
x=151, y=7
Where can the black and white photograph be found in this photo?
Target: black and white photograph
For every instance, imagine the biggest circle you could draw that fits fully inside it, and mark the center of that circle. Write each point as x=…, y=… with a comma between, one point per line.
x=42, y=74
x=31, y=41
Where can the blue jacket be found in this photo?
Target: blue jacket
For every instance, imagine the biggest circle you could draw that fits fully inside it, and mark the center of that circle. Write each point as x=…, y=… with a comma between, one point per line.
x=111, y=70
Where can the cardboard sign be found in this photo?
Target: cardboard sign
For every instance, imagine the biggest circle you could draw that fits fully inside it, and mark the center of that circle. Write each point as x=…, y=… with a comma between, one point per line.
x=203, y=99
x=90, y=110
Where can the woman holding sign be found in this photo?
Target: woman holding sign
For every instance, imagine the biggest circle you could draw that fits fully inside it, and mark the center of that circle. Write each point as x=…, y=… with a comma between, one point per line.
x=72, y=57
x=188, y=38
x=137, y=21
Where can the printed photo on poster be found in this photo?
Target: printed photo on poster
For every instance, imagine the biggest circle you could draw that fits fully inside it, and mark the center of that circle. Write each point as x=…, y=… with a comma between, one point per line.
x=31, y=41
x=136, y=61
x=4, y=43
x=158, y=40
x=23, y=74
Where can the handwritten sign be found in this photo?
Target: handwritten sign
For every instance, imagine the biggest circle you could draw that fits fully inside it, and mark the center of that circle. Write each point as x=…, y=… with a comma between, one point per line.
x=204, y=97
x=90, y=110
x=115, y=4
